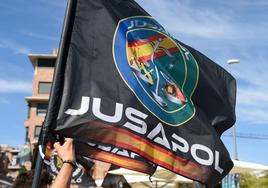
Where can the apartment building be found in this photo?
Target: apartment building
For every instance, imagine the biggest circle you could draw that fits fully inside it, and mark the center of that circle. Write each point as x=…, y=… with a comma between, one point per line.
x=43, y=65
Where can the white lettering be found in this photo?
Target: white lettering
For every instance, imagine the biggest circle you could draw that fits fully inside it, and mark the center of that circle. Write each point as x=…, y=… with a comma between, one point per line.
x=187, y=53
x=137, y=124
x=105, y=148
x=133, y=155
x=206, y=162
x=142, y=129
x=160, y=140
x=144, y=24
x=115, y=150
x=122, y=152
x=140, y=24
x=83, y=108
x=217, y=158
x=112, y=119
x=183, y=148
x=131, y=26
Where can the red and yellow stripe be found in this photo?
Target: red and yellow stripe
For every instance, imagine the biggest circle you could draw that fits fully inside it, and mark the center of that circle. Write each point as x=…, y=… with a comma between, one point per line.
x=143, y=48
x=121, y=161
x=124, y=139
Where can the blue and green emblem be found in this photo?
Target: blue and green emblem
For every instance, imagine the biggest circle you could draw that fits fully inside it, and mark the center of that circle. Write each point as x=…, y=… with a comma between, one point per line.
x=160, y=72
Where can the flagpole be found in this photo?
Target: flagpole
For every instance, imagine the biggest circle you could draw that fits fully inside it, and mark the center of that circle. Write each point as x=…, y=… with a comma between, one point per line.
x=51, y=116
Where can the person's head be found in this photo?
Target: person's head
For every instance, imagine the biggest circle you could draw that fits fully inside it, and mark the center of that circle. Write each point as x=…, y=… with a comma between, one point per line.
x=25, y=178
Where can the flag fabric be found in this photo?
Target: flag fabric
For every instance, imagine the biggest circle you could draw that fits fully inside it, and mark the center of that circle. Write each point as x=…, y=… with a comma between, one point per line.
x=54, y=164
x=132, y=95
x=25, y=154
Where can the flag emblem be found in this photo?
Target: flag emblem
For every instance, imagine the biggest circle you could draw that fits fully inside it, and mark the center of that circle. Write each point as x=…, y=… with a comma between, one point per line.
x=160, y=72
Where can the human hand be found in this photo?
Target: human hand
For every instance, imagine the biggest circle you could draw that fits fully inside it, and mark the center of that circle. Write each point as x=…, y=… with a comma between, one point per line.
x=65, y=151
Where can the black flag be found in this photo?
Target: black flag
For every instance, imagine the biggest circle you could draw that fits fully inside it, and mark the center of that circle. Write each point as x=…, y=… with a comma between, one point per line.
x=132, y=95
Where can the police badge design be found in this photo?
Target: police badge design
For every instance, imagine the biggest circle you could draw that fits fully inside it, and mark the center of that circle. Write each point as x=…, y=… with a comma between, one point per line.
x=160, y=72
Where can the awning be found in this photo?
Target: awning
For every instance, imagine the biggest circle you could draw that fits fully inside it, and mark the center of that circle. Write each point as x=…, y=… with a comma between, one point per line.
x=165, y=175
x=241, y=167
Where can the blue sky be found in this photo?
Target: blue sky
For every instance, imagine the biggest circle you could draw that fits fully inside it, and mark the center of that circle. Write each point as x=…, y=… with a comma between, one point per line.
x=220, y=29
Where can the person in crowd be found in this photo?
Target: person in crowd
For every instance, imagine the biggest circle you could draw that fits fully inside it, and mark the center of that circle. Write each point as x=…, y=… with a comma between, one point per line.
x=98, y=173
x=67, y=154
x=25, y=178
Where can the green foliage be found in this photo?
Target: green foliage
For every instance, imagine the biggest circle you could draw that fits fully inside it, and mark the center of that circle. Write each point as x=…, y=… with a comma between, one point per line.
x=252, y=181
x=247, y=181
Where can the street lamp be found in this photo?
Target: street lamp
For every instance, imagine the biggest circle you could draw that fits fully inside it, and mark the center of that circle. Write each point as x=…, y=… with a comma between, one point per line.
x=231, y=62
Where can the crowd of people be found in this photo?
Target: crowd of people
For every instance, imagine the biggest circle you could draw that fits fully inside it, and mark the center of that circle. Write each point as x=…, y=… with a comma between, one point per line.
x=98, y=175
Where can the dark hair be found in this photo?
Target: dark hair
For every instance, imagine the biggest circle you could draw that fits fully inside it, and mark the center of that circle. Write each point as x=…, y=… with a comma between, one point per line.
x=25, y=178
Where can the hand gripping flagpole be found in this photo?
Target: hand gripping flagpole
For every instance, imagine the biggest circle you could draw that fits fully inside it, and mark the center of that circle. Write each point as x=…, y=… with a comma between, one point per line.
x=56, y=89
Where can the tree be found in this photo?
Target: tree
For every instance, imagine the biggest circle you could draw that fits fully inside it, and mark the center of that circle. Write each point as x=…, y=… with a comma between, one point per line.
x=253, y=181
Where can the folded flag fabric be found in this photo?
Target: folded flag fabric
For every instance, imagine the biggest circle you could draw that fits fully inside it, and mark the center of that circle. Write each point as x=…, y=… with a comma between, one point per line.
x=132, y=95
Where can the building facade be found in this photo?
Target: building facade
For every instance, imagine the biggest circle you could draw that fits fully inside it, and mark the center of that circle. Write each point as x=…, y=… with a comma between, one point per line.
x=43, y=65
x=9, y=163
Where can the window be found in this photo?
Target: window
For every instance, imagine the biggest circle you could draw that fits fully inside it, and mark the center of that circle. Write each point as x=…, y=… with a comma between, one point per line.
x=41, y=109
x=29, y=110
x=27, y=134
x=44, y=87
x=46, y=62
x=37, y=131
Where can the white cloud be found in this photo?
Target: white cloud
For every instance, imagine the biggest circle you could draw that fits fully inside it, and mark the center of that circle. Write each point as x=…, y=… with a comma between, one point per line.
x=253, y=116
x=252, y=95
x=15, y=47
x=180, y=17
x=39, y=36
x=11, y=86
x=187, y=18
x=245, y=3
x=252, y=110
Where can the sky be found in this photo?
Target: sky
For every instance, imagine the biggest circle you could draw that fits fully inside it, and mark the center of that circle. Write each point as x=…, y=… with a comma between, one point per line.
x=222, y=30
